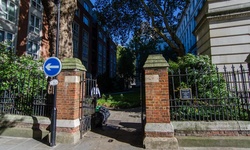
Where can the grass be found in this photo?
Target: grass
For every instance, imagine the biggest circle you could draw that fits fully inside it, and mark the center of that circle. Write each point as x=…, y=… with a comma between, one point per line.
x=128, y=99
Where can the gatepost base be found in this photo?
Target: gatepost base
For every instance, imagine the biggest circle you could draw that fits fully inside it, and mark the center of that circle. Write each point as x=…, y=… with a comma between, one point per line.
x=161, y=143
x=160, y=136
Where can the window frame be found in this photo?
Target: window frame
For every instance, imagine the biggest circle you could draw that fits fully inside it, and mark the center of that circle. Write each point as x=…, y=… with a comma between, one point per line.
x=5, y=37
x=36, y=4
x=85, y=20
x=5, y=13
x=32, y=26
x=75, y=26
x=32, y=52
x=75, y=47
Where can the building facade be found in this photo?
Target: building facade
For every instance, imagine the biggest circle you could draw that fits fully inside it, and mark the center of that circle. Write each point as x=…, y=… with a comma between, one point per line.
x=219, y=29
x=9, y=12
x=223, y=32
x=22, y=23
x=187, y=25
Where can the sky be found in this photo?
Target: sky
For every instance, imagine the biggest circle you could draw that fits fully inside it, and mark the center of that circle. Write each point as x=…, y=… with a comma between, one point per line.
x=93, y=1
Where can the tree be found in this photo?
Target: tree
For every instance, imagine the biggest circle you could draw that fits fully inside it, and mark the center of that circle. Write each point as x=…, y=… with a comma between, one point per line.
x=158, y=18
x=125, y=64
x=142, y=47
x=67, y=11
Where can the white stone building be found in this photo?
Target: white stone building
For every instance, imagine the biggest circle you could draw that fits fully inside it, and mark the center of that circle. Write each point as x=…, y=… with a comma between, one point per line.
x=223, y=32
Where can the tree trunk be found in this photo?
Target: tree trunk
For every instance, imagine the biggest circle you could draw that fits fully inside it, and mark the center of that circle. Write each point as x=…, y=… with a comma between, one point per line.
x=67, y=11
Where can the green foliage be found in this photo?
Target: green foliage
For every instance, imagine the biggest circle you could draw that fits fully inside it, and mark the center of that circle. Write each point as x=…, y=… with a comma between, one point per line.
x=124, y=100
x=210, y=97
x=124, y=18
x=21, y=77
x=125, y=65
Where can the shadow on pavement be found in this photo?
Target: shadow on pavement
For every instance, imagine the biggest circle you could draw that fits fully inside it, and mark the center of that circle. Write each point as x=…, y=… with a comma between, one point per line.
x=126, y=132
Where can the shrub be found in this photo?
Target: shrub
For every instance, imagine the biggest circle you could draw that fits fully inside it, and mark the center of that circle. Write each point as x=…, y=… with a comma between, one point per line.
x=21, y=78
x=210, y=97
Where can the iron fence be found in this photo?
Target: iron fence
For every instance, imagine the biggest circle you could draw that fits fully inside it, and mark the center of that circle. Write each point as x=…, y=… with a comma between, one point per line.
x=88, y=105
x=25, y=95
x=207, y=94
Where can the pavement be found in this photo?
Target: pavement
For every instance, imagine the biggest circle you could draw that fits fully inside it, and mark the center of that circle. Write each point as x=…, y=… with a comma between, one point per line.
x=122, y=132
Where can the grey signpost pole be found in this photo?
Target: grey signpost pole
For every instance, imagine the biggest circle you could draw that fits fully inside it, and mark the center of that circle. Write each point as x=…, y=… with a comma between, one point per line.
x=54, y=113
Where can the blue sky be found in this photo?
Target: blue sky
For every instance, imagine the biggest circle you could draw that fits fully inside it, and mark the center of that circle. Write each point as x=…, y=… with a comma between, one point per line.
x=93, y=1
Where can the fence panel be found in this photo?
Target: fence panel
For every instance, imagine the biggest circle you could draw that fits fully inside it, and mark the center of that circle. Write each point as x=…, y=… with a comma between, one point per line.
x=88, y=104
x=26, y=95
x=208, y=94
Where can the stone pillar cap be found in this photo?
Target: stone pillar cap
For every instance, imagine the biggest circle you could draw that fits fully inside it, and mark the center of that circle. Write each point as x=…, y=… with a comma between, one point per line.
x=72, y=64
x=155, y=61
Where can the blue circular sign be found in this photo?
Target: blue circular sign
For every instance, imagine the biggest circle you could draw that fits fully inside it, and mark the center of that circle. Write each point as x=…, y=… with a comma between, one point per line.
x=52, y=66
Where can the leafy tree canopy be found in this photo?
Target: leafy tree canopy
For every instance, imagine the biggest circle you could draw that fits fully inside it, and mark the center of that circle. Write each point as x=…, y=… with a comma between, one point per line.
x=125, y=63
x=157, y=18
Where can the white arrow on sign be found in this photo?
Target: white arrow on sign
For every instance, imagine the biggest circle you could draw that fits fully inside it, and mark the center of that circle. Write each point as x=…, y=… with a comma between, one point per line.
x=49, y=67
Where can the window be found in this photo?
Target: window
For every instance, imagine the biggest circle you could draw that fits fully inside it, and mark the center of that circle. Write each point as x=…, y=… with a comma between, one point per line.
x=1, y=36
x=77, y=12
x=85, y=46
x=35, y=24
x=8, y=10
x=37, y=4
x=9, y=37
x=85, y=36
x=86, y=20
x=6, y=36
x=75, y=29
x=85, y=49
x=75, y=47
x=100, y=35
x=33, y=48
x=86, y=6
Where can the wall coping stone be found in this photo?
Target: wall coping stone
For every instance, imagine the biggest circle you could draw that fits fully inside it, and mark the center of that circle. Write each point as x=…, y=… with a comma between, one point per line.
x=26, y=119
x=159, y=127
x=155, y=61
x=72, y=64
x=215, y=125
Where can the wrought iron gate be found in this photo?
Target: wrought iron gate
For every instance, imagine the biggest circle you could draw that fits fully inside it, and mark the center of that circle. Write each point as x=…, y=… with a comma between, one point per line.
x=87, y=104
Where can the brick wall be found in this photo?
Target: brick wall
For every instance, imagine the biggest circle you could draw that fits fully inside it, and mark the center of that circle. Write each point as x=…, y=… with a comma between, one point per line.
x=68, y=96
x=157, y=97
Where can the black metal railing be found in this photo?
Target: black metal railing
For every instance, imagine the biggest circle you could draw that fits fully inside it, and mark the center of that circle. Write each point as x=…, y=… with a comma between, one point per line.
x=209, y=94
x=88, y=104
x=25, y=96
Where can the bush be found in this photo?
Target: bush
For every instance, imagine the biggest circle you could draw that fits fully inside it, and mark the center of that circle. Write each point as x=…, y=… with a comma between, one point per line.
x=21, y=78
x=210, y=97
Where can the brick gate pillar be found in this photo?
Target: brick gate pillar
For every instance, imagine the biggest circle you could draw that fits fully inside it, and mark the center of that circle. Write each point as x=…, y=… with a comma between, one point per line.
x=159, y=132
x=68, y=100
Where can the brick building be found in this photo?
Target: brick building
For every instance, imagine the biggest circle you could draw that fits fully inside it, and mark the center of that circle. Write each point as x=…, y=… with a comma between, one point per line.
x=21, y=22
